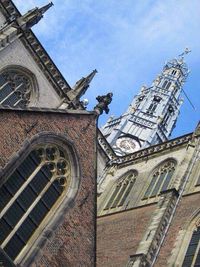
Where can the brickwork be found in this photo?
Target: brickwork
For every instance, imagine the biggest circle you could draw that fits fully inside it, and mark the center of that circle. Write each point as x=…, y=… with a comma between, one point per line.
x=118, y=235
x=188, y=205
x=73, y=241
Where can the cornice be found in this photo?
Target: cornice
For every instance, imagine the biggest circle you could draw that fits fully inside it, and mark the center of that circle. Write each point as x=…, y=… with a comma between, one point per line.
x=144, y=153
x=47, y=110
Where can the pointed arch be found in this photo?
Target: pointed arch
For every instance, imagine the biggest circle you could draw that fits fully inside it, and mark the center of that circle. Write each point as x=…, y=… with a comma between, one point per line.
x=44, y=180
x=121, y=190
x=160, y=178
x=186, y=252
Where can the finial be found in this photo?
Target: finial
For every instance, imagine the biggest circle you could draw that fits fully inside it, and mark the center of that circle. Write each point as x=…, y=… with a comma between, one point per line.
x=33, y=16
x=185, y=52
x=82, y=85
x=104, y=101
x=43, y=9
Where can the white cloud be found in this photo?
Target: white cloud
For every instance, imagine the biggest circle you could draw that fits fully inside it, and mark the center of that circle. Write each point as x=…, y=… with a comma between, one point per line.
x=127, y=41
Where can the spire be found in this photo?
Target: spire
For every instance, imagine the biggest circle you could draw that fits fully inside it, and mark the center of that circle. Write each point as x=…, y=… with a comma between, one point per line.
x=33, y=16
x=179, y=63
x=81, y=86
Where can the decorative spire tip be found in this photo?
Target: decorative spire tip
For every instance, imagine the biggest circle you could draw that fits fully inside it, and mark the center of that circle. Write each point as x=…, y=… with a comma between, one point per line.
x=45, y=8
x=185, y=52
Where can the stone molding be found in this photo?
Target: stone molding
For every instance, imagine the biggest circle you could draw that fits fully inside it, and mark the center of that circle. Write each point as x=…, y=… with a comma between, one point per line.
x=114, y=159
x=149, y=245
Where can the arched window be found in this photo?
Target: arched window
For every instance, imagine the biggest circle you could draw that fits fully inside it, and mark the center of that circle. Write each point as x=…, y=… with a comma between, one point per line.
x=16, y=87
x=174, y=72
x=154, y=104
x=160, y=179
x=192, y=256
x=166, y=85
x=29, y=194
x=121, y=191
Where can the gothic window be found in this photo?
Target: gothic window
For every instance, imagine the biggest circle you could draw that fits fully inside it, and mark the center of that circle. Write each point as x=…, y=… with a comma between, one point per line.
x=29, y=194
x=166, y=85
x=121, y=191
x=192, y=256
x=154, y=104
x=16, y=87
x=174, y=72
x=160, y=179
x=152, y=107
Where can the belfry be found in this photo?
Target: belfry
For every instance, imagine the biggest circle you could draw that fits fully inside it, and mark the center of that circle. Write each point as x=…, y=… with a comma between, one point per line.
x=153, y=113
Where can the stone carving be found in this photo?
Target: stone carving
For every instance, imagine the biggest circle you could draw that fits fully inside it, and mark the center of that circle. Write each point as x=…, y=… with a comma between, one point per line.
x=104, y=101
x=16, y=90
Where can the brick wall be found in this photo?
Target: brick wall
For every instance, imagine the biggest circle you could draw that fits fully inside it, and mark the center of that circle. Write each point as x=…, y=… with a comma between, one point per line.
x=118, y=235
x=73, y=241
x=186, y=208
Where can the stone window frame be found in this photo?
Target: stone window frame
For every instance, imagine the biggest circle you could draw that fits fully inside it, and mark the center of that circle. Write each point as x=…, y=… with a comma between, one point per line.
x=170, y=164
x=65, y=203
x=154, y=104
x=34, y=94
x=166, y=84
x=120, y=191
x=174, y=72
x=183, y=239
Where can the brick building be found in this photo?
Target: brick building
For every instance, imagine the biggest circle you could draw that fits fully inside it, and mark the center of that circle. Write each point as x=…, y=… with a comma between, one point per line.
x=149, y=186
x=48, y=153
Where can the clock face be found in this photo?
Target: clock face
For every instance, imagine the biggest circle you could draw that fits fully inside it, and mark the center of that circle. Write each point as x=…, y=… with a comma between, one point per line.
x=127, y=144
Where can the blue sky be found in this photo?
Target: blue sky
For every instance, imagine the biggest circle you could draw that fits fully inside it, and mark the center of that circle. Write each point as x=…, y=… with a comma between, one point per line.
x=127, y=41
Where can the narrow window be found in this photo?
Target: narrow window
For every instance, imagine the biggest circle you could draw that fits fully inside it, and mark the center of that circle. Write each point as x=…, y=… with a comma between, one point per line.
x=166, y=85
x=121, y=191
x=167, y=115
x=192, y=256
x=154, y=104
x=160, y=180
x=29, y=194
x=174, y=72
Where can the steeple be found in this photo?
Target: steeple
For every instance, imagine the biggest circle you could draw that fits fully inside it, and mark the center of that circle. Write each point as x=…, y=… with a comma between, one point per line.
x=33, y=16
x=81, y=87
x=153, y=113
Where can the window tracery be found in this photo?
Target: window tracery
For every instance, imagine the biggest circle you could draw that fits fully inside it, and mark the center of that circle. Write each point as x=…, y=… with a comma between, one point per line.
x=16, y=88
x=121, y=191
x=192, y=256
x=29, y=194
x=160, y=179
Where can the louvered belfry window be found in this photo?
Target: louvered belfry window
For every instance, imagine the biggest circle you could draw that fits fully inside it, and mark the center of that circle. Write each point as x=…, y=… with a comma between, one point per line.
x=192, y=256
x=15, y=88
x=160, y=179
x=29, y=194
x=121, y=191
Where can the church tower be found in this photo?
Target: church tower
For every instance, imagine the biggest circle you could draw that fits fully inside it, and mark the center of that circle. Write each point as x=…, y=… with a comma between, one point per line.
x=153, y=113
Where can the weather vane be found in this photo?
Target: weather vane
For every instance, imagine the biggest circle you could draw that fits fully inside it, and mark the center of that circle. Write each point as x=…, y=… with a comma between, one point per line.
x=185, y=52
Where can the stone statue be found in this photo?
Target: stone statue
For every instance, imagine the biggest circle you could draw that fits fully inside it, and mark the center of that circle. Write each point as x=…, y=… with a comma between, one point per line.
x=104, y=101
